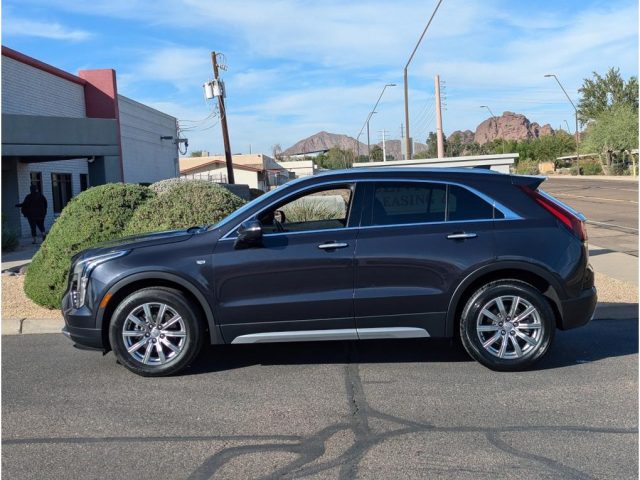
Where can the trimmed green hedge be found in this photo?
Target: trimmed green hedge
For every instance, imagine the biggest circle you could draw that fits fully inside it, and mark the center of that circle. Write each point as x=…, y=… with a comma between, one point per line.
x=184, y=204
x=96, y=215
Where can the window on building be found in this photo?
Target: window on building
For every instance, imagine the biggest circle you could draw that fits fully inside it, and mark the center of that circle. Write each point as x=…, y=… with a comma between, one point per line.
x=84, y=181
x=465, y=205
x=62, y=191
x=400, y=203
x=36, y=180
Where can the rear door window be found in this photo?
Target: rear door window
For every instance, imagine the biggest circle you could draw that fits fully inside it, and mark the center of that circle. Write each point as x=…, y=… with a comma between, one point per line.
x=398, y=203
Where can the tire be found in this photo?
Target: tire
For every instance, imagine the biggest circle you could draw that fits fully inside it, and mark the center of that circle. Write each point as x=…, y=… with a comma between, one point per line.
x=492, y=337
x=144, y=348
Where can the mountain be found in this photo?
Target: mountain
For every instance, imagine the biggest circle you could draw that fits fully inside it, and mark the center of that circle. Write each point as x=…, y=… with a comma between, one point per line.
x=323, y=141
x=509, y=126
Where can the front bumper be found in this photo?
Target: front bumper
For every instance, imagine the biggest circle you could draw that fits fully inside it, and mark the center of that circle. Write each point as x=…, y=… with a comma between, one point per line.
x=577, y=312
x=80, y=325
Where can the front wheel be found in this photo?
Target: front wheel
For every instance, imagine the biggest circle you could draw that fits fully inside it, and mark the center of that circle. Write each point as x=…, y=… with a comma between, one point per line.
x=155, y=332
x=507, y=325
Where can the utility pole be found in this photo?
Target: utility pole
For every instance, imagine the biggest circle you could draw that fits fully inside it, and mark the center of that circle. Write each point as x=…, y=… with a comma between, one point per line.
x=384, y=148
x=223, y=122
x=406, y=84
x=439, y=120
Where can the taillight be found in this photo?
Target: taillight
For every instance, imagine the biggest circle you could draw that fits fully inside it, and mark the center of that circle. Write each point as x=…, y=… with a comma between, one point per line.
x=573, y=222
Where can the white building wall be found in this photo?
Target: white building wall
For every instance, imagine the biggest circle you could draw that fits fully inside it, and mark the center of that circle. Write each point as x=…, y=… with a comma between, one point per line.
x=147, y=158
x=30, y=91
x=219, y=175
x=74, y=167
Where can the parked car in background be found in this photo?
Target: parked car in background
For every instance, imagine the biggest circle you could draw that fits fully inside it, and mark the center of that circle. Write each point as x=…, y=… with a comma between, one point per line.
x=347, y=255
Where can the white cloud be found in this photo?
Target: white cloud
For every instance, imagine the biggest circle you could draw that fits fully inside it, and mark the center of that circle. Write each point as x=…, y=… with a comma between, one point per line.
x=50, y=30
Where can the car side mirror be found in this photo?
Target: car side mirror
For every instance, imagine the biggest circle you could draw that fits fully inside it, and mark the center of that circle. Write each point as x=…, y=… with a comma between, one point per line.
x=249, y=235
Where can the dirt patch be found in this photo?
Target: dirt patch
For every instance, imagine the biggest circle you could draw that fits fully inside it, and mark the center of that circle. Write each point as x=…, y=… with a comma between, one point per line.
x=15, y=303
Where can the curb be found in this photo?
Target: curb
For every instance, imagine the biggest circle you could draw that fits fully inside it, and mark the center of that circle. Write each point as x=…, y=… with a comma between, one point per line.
x=22, y=326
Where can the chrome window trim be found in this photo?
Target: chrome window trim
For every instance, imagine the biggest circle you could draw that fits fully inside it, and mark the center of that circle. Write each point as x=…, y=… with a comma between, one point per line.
x=507, y=212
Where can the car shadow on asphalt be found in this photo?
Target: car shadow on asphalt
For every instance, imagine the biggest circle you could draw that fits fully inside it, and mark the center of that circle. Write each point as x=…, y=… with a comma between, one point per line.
x=612, y=333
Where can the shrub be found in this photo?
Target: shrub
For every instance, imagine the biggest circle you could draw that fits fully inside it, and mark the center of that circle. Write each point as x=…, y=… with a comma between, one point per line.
x=10, y=239
x=184, y=205
x=163, y=186
x=255, y=193
x=95, y=215
x=527, y=167
x=591, y=167
x=312, y=209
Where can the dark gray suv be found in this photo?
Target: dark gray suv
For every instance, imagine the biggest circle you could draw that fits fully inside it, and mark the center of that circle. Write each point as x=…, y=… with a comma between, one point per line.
x=347, y=255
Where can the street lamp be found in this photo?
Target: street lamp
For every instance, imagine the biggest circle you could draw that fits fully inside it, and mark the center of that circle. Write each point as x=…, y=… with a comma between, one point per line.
x=576, y=110
x=406, y=85
x=368, y=141
x=495, y=119
x=366, y=123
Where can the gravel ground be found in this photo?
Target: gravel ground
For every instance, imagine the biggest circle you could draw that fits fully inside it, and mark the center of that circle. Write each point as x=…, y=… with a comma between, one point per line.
x=15, y=304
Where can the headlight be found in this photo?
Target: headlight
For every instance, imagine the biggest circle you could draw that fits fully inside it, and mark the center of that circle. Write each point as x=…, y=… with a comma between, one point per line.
x=82, y=271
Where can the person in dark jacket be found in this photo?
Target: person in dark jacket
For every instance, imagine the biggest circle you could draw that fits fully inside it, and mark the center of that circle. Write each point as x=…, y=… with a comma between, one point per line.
x=34, y=208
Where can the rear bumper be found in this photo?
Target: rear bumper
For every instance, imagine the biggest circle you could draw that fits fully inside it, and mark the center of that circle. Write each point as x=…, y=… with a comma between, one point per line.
x=80, y=325
x=577, y=312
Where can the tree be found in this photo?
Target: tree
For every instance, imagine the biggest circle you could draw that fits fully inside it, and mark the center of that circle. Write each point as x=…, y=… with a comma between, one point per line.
x=376, y=153
x=613, y=134
x=600, y=94
x=197, y=153
x=276, y=150
x=335, y=158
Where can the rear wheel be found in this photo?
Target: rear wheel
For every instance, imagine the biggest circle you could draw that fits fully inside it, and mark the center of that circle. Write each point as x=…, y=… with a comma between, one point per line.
x=155, y=332
x=507, y=325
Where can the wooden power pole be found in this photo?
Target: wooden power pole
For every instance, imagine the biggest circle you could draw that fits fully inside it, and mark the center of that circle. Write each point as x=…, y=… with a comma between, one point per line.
x=223, y=122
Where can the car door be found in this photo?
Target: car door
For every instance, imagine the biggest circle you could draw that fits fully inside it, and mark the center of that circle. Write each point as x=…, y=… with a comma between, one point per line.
x=298, y=284
x=417, y=241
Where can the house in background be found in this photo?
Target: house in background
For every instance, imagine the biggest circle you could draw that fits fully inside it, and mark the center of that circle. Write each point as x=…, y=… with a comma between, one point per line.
x=64, y=133
x=256, y=170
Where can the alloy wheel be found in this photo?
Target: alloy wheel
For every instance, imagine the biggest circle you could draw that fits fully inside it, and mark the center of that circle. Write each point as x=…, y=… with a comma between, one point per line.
x=509, y=327
x=154, y=334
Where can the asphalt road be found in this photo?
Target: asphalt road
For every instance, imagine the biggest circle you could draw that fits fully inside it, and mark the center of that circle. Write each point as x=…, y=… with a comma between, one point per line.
x=611, y=208
x=393, y=409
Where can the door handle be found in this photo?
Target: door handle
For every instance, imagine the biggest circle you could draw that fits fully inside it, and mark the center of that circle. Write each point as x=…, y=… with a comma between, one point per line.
x=332, y=245
x=461, y=236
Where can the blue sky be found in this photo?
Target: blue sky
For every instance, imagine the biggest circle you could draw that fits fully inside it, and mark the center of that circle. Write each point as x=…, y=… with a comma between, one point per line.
x=299, y=67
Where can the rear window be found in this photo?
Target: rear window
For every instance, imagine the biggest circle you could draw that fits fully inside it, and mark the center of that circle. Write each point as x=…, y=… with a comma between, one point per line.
x=466, y=205
x=405, y=203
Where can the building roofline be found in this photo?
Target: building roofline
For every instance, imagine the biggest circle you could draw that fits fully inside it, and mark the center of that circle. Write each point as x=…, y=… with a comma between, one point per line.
x=221, y=162
x=45, y=67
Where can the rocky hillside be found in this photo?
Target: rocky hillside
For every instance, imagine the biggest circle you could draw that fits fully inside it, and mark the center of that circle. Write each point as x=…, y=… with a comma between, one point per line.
x=324, y=141
x=509, y=126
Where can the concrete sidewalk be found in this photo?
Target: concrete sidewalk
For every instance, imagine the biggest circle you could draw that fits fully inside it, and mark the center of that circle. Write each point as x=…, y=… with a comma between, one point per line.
x=620, y=266
x=21, y=256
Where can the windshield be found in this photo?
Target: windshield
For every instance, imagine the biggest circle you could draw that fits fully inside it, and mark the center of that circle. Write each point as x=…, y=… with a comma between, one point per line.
x=247, y=206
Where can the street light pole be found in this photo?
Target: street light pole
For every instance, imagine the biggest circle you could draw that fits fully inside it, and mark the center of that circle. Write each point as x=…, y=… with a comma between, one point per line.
x=406, y=85
x=368, y=141
x=495, y=119
x=366, y=123
x=577, y=128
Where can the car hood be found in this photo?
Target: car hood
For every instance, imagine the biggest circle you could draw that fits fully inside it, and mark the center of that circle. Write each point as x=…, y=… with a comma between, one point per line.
x=136, y=241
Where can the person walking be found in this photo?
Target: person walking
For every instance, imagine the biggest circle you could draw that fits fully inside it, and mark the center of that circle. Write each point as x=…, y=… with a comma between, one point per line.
x=34, y=208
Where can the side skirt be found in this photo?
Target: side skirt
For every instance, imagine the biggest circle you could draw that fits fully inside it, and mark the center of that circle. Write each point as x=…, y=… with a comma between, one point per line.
x=335, y=334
